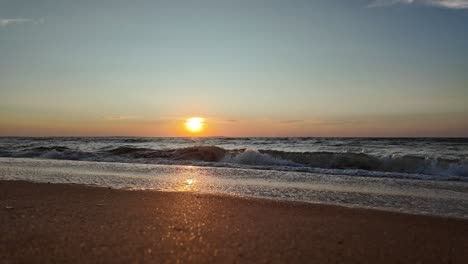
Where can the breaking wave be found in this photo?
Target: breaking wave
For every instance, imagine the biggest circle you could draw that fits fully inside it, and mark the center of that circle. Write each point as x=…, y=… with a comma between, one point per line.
x=323, y=162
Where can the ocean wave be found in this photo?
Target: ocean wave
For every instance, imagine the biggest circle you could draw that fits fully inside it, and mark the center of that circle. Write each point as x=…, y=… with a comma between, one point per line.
x=55, y=148
x=254, y=157
x=362, y=161
x=199, y=153
x=137, y=140
x=336, y=162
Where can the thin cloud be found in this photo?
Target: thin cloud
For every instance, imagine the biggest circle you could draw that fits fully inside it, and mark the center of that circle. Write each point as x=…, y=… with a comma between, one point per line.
x=451, y=4
x=292, y=121
x=11, y=21
x=122, y=118
x=136, y=119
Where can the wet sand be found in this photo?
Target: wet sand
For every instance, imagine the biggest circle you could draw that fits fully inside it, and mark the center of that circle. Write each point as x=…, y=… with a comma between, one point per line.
x=50, y=223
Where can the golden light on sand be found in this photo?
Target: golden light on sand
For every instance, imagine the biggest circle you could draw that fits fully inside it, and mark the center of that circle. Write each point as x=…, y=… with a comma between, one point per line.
x=194, y=124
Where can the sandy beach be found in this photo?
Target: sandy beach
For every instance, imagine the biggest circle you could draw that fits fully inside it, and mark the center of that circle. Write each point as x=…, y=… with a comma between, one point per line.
x=234, y=131
x=47, y=223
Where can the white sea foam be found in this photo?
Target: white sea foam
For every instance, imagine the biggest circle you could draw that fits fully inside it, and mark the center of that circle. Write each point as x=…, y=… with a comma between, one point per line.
x=421, y=197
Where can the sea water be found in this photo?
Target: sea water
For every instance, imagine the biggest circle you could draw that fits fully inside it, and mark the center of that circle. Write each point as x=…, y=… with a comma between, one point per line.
x=423, y=176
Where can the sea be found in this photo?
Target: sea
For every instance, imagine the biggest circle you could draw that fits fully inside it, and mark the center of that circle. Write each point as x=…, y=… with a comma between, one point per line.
x=410, y=175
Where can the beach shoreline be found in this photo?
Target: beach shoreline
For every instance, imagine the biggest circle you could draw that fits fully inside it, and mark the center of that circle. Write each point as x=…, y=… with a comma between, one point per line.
x=442, y=198
x=81, y=224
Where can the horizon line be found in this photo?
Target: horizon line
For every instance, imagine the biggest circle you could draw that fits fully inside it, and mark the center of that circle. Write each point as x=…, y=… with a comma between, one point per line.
x=375, y=137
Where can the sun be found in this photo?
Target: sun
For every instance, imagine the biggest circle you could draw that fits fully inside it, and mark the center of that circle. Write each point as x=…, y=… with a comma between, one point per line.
x=194, y=124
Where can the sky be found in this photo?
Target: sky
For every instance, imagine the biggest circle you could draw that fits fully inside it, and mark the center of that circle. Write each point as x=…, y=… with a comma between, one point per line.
x=359, y=68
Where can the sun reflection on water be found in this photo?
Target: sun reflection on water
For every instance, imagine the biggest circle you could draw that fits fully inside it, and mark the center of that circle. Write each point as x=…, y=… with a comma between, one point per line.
x=188, y=185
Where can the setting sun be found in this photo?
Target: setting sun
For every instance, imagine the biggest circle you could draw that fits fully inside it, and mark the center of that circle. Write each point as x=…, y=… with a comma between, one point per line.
x=194, y=124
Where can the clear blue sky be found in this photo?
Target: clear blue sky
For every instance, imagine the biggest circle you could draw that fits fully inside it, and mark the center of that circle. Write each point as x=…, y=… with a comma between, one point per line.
x=250, y=67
